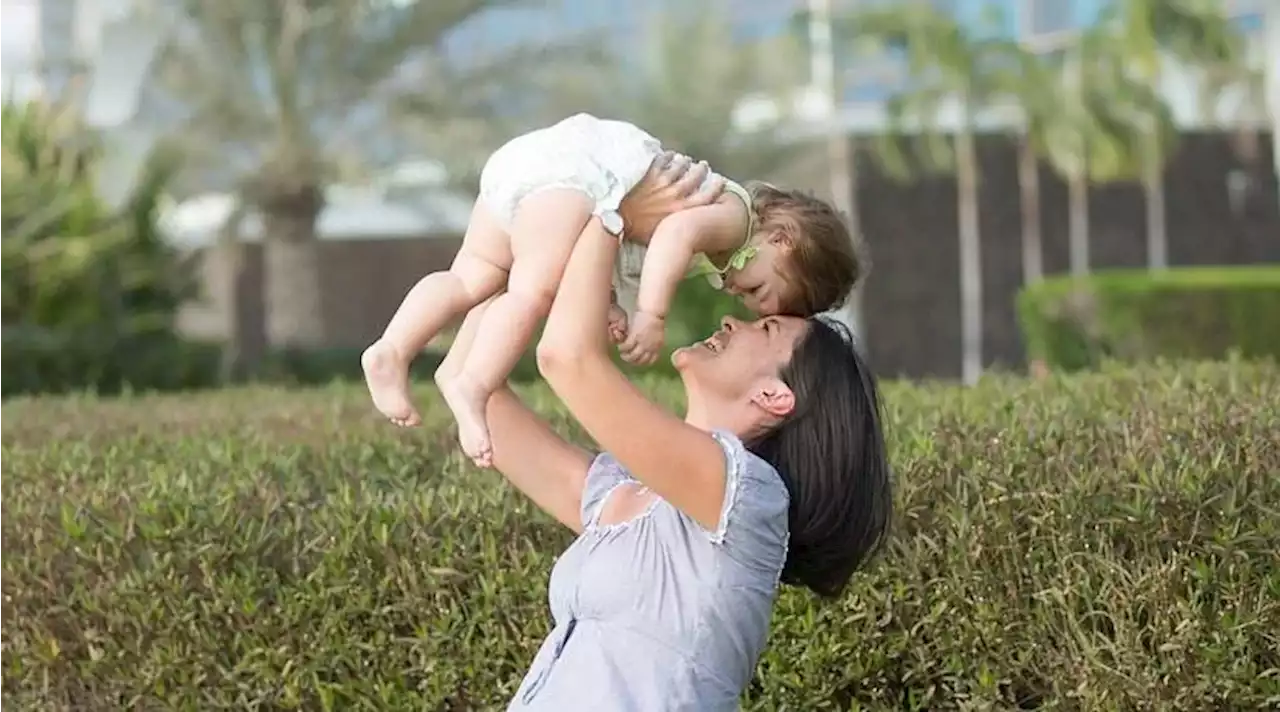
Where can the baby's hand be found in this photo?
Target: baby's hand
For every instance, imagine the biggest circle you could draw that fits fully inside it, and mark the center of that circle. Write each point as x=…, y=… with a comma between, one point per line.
x=644, y=340
x=617, y=324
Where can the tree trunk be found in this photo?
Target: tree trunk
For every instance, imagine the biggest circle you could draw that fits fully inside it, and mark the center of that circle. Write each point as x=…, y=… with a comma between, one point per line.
x=246, y=345
x=1078, y=223
x=291, y=261
x=857, y=317
x=1157, y=235
x=842, y=159
x=1029, y=192
x=970, y=257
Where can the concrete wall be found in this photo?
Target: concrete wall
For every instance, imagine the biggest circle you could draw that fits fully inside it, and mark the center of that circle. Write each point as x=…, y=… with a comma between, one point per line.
x=364, y=281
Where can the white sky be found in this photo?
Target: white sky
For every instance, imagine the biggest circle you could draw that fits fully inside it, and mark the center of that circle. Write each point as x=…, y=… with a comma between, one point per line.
x=19, y=31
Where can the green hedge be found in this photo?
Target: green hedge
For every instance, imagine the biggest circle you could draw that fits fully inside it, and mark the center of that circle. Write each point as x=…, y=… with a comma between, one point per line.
x=1139, y=315
x=1103, y=541
x=43, y=361
x=52, y=363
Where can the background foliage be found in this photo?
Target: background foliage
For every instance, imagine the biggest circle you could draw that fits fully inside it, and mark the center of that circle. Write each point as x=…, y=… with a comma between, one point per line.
x=1135, y=315
x=89, y=296
x=1101, y=541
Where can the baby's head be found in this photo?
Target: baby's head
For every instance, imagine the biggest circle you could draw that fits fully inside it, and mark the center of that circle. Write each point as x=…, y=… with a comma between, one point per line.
x=805, y=260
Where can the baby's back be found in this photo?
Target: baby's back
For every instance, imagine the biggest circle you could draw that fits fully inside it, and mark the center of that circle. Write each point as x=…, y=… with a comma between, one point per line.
x=610, y=135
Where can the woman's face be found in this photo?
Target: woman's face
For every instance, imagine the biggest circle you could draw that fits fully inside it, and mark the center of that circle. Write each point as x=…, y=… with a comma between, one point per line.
x=741, y=363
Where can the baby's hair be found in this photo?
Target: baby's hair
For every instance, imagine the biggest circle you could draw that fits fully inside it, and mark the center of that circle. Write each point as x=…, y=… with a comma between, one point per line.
x=825, y=263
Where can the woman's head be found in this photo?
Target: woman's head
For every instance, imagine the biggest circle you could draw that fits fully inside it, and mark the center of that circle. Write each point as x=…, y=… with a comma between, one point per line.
x=801, y=398
x=805, y=259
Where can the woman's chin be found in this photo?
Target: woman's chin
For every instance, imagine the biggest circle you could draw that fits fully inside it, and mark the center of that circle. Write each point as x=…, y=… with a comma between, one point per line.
x=681, y=356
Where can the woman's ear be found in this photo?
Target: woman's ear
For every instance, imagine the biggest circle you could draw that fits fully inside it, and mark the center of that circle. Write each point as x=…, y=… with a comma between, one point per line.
x=774, y=397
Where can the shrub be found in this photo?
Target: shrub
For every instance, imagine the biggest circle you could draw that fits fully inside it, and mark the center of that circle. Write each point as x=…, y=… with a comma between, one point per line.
x=1094, y=542
x=1185, y=313
x=89, y=297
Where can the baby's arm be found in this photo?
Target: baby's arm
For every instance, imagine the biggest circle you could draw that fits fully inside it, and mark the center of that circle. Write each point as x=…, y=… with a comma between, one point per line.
x=711, y=229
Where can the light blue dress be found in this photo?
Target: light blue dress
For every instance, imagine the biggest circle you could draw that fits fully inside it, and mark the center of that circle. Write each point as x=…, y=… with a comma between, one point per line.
x=658, y=614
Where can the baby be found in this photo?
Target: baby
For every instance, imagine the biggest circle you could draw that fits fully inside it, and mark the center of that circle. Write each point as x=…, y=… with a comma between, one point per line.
x=779, y=251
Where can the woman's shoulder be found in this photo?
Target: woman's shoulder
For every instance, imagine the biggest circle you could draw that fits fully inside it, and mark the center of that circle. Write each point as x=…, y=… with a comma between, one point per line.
x=751, y=483
x=737, y=454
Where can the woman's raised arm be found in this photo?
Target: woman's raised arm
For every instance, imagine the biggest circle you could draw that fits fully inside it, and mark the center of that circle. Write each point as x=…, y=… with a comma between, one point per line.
x=544, y=466
x=682, y=464
x=534, y=458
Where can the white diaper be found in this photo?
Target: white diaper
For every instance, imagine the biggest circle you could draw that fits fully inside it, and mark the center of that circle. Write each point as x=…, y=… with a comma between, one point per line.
x=603, y=159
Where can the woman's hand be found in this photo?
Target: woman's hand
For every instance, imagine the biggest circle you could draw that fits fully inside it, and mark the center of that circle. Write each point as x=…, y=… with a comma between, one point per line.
x=644, y=340
x=671, y=185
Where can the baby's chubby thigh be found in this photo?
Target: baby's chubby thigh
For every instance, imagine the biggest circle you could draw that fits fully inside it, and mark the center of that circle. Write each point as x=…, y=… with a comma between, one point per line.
x=546, y=226
x=546, y=187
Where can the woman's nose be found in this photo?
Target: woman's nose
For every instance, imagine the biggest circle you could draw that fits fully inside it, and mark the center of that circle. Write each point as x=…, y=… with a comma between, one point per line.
x=729, y=323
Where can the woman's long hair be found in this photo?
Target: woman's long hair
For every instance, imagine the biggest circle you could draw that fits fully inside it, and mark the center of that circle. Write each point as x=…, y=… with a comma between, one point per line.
x=831, y=454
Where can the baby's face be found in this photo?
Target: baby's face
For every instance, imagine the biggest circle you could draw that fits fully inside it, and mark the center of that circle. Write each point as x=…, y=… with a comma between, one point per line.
x=761, y=284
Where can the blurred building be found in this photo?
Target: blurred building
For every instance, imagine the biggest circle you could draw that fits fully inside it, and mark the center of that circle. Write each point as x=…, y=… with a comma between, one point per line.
x=375, y=241
x=43, y=40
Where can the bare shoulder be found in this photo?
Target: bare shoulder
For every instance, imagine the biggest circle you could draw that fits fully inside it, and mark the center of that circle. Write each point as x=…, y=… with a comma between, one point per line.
x=728, y=229
x=717, y=227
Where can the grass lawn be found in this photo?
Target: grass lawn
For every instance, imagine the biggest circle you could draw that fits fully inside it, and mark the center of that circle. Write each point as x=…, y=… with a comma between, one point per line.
x=1094, y=542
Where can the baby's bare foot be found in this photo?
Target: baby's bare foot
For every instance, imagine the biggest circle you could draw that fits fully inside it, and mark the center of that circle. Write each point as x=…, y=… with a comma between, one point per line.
x=468, y=405
x=386, y=373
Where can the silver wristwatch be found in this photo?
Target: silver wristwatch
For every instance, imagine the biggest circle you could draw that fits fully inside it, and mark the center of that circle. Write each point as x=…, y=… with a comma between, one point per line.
x=612, y=223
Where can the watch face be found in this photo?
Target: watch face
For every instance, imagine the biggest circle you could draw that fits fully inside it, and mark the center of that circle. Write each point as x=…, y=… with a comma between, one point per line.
x=612, y=222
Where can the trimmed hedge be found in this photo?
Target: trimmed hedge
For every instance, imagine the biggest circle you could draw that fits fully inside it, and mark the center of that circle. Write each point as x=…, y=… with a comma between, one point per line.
x=1104, y=541
x=1139, y=315
x=35, y=364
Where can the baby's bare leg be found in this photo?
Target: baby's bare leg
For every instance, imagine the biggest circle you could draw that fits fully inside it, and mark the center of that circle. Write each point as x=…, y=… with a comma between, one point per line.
x=451, y=366
x=546, y=228
x=479, y=270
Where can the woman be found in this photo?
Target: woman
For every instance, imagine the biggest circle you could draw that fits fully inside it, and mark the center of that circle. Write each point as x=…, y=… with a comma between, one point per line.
x=686, y=527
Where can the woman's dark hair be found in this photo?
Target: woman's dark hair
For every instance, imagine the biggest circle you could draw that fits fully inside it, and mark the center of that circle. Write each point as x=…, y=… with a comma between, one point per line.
x=831, y=455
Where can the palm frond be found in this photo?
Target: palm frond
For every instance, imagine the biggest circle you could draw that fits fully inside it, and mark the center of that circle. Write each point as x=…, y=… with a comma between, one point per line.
x=294, y=81
x=685, y=84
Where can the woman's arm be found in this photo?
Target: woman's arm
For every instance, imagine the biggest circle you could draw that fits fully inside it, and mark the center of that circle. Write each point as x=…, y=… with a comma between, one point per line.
x=544, y=466
x=680, y=463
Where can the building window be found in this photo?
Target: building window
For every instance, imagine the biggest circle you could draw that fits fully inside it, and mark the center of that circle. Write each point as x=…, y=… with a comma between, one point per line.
x=1045, y=17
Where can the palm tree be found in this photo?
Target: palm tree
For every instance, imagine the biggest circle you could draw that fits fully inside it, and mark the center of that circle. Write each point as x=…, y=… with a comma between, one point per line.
x=685, y=82
x=275, y=94
x=1092, y=119
x=1148, y=33
x=1025, y=82
x=950, y=69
